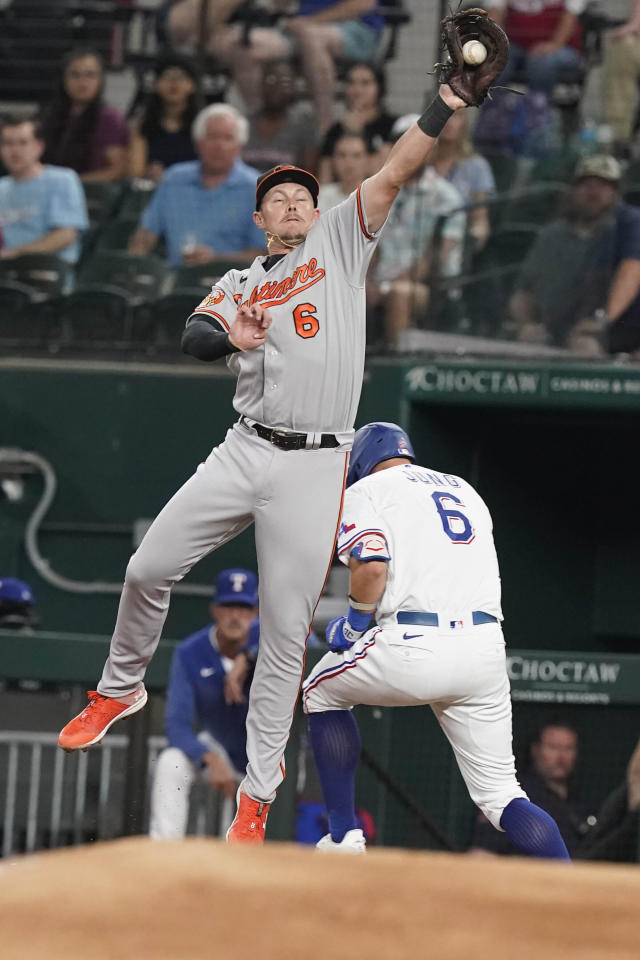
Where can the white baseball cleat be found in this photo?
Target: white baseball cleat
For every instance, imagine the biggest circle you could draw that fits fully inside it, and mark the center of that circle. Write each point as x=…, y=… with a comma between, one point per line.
x=352, y=842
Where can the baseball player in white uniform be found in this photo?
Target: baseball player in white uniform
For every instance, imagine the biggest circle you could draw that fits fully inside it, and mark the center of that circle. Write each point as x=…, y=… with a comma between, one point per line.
x=292, y=327
x=419, y=547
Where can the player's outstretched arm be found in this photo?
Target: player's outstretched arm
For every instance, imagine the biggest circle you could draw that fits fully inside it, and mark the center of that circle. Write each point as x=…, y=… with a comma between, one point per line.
x=407, y=156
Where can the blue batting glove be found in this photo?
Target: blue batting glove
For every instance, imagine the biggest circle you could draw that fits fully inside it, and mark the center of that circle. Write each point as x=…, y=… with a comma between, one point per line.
x=341, y=636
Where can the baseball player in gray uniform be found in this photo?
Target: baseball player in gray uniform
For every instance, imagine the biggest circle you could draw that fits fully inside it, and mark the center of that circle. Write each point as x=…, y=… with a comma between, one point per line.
x=292, y=327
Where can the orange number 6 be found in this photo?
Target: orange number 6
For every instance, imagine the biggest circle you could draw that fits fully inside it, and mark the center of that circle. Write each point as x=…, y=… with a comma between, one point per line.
x=304, y=317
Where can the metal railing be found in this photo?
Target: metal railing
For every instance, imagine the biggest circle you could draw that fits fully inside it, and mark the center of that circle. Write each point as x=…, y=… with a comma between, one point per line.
x=52, y=799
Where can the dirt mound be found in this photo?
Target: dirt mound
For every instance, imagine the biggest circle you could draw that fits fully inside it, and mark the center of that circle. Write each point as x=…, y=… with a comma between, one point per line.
x=135, y=899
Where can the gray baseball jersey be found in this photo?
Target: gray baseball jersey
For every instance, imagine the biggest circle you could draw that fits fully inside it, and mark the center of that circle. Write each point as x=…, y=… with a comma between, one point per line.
x=308, y=375
x=306, y=378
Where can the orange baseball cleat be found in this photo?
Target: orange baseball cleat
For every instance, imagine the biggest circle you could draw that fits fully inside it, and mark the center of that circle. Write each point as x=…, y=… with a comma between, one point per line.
x=250, y=822
x=90, y=726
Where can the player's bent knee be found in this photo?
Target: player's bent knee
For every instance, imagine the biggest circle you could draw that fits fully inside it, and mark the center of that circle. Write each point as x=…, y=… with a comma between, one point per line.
x=313, y=700
x=494, y=806
x=144, y=573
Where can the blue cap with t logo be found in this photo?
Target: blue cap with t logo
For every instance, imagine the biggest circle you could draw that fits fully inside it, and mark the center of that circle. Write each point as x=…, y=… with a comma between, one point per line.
x=236, y=587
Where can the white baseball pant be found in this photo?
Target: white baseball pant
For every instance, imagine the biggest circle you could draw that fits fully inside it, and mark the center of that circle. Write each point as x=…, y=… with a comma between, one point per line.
x=460, y=672
x=174, y=775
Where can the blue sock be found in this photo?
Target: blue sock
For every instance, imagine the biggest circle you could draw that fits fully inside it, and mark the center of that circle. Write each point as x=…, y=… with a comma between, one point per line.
x=532, y=830
x=335, y=739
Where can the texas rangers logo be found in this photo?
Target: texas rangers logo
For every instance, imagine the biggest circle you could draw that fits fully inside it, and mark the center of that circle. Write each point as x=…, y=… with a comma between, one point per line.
x=238, y=581
x=346, y=527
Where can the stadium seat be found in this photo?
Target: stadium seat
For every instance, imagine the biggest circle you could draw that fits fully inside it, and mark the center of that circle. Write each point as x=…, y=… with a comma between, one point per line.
x=557, y=167
x=205, y=275
x=49, y=274
x=115, y=234
x=143, y=278
x=135, y=198
x=505, y=169
x=532, y=205
x=159, y=325
x=20, y=315
x=95, y=314
x=101, y=198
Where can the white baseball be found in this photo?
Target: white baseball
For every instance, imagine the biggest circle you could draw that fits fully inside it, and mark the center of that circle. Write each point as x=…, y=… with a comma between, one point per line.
x=474, y=52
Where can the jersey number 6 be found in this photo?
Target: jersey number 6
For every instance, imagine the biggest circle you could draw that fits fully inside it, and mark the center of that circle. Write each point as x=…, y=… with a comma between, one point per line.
x=304, y=317
x=454, y=523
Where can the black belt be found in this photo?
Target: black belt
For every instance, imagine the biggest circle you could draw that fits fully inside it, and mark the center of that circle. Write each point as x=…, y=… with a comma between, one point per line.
x=286, y=440
x=423, y=619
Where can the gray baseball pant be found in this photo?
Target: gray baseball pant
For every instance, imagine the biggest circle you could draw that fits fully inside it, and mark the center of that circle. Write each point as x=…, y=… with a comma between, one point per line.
x=294, y=497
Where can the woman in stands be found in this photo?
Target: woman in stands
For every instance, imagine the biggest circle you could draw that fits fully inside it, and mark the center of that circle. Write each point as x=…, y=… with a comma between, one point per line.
x=80, y=130
x=365, y=114
x=454, y=159
x=161, y=133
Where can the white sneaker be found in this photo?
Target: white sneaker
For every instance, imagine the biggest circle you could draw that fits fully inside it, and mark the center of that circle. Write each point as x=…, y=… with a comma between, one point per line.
x=352, y=842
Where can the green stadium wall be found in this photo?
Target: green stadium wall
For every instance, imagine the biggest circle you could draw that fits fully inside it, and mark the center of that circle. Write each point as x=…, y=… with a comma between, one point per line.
x=555, y=467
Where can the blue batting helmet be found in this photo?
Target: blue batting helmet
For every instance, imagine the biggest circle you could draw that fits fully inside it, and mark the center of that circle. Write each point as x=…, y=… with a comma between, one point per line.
x=374, y=443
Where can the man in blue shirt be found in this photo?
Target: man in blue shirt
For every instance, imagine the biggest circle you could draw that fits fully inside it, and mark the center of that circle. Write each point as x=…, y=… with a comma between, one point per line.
x=579, y=285
x=42, y=208
x=204, y=208
x=204, y=719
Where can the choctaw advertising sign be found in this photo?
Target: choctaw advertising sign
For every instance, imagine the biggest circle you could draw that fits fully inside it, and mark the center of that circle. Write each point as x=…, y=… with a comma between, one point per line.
x=573, y=678
x=532, y=385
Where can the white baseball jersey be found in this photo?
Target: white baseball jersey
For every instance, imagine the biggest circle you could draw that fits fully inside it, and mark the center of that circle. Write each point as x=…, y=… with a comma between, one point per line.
x=435, y=531
x=308, y=375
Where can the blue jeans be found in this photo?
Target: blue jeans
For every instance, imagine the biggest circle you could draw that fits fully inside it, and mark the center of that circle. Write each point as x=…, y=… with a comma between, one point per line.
x=542, y=72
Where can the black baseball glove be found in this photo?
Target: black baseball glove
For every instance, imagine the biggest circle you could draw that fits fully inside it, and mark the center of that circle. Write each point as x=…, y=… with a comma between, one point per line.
x=472, y=83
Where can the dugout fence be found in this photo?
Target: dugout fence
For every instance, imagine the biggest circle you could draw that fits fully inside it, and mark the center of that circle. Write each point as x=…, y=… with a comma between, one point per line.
x=408, y=782
x=52, y=799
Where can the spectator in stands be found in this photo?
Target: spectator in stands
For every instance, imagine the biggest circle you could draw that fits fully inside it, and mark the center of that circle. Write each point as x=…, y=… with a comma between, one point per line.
x=621, y=71
x=545, y=37
x=548, y=781
x=454, y=158
x=42, y=208
x=408, y=257
x=320, y=32
x=16, y=605
x=205, y=717
x=161, y=134
x=204, y=209
x=351, y=161
x=579, y=285
x=615, y=835
x=365, y=113
x=281, y=131
x=80, y=130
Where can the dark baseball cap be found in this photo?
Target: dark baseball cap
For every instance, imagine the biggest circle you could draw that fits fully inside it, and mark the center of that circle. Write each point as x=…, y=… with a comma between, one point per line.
x=286, y=173
x=13, y=590
x=236, y=587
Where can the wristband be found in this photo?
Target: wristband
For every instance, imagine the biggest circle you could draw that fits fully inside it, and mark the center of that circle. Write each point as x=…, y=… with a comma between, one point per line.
x=365, y=607
x=434, y=117
x=357, y=620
